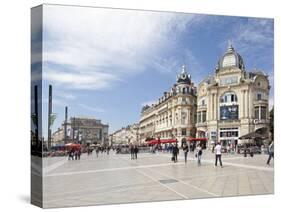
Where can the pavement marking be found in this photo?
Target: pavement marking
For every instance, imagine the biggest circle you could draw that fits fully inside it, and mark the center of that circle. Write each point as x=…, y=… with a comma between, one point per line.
x=54, y=166
x=186, y=183
x=231, y=164
x=98, y=193
x=143, y=166
x=113, y=169
x=155, y=180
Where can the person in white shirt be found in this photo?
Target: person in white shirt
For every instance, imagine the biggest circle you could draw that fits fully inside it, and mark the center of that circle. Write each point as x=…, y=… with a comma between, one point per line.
x=218, y=153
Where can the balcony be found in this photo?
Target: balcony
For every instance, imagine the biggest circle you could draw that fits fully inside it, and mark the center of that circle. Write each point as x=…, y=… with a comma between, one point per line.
x=201, y=124
x=229, y=121
x=261, y=102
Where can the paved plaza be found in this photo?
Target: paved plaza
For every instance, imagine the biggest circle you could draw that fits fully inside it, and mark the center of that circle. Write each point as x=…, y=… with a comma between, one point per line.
x=115, y=178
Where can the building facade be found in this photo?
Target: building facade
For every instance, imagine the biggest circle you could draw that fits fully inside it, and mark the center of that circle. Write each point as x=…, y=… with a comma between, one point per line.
x=174, y=114
x=58, y=136
x=89, y=131
x=126, y=135
x=233, y=102
x=84, y=131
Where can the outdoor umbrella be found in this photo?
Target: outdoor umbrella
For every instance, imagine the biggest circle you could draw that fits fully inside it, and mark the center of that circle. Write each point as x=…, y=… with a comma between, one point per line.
x=73, y=145
x=253, y=135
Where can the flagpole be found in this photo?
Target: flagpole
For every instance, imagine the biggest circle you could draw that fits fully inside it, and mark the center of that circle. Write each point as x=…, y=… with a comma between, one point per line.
x=49, y=117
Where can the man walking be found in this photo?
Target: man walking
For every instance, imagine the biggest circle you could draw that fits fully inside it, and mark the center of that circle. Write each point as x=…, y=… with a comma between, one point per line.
x=136, y=150
x=270, y=152
x=175, y=153
x=218, y=154
x=132, y=150
x=185, y=151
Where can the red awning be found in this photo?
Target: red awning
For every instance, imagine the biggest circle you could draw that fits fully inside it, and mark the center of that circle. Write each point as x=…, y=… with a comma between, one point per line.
x=166, y=141
x=73, y=145
x=197, y=139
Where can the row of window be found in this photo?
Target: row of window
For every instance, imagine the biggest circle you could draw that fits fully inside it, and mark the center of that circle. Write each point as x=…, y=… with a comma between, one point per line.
x=231, y=113
x=231, y=97
x=229, y=134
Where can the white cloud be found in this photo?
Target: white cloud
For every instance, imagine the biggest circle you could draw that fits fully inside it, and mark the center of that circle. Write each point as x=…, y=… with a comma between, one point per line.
x=80, y=81
x=93, y=109
x=100, y=46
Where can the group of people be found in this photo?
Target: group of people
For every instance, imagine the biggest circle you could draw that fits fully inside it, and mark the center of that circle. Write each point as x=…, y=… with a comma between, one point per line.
x=186, y=148
x=102, y=150
x=198, y=153
x=74, y=154
x=134, y=152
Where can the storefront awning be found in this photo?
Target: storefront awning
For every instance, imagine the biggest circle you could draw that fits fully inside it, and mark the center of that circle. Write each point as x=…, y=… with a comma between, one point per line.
x=164, y=141
x=253, y=135
x=197, y=139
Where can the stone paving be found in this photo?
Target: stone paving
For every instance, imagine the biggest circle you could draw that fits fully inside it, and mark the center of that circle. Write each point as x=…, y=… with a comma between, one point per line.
x=113, y=179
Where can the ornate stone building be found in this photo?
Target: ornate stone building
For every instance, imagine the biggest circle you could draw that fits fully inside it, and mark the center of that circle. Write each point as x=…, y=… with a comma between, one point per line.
x=233, y=102
x=82, y=130
x=125, y=135
x=174, y=114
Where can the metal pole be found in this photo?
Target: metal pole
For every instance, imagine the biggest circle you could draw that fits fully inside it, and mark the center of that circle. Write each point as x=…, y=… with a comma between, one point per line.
x=49, y=117
x=37, y=143
x=65, y=125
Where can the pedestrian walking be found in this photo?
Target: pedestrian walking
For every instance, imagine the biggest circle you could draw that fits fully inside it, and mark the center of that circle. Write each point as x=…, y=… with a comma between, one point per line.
x=78, y=154
x=97, y=151
x=175, y=152
x=70, y=154
x=199, y=154
x=270, y=152
x=218, y=154
x=132, y=152
x=185, y=151
x=136, y=150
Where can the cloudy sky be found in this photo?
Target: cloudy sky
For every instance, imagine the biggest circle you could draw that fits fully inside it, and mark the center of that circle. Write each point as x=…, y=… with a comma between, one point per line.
x=107, y=63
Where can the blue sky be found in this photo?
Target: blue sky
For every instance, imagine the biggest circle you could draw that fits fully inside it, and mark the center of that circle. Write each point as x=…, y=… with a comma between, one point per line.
x=107, y=63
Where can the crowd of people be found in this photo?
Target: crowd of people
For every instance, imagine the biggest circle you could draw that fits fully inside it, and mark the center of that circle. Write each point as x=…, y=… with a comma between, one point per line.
x=195, y=148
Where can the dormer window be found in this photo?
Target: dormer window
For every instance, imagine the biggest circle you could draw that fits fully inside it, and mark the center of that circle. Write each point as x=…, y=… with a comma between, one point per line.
x=259, y=96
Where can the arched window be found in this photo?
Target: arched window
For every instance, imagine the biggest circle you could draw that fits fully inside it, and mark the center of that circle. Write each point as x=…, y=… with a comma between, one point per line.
x=228, y=97
x=183, y=90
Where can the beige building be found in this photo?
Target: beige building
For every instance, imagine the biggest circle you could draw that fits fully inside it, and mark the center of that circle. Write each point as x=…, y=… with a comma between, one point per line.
x=174, y=114
x=125, y=135
x=83, y=130
x=233, y=102
x=58, y=137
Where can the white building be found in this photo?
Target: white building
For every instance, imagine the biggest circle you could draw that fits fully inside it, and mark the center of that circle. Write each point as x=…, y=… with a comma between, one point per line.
x=233, y=102
x=126, y=135
x=174, y=114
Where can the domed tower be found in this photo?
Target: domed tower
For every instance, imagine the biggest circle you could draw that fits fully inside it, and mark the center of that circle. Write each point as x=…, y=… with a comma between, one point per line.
x=230, y=59
x=184, y=84
x=183, y=77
